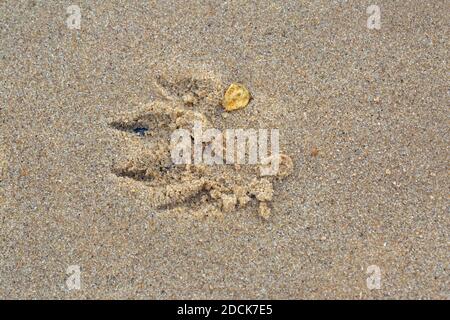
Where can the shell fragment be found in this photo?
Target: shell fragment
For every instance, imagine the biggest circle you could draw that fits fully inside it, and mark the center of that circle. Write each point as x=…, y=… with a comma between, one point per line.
x=236, y=97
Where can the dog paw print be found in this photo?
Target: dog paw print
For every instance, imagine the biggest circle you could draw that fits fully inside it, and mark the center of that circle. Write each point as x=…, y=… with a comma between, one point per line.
x=202, y=189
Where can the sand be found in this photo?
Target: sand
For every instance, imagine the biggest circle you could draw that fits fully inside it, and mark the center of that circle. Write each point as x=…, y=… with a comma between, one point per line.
x=362, y=113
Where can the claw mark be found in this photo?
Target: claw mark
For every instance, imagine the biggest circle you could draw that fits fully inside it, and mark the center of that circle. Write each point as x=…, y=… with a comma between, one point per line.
x=198, y=187
x=176, y=192
x=191, y=91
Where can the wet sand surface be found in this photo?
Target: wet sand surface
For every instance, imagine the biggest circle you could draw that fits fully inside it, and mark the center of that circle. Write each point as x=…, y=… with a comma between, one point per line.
x=362, y=113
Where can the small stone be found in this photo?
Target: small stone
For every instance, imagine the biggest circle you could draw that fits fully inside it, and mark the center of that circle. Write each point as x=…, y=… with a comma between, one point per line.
x=262, y=189
x=236, y=97
x=215, y=194
x=243, y=200
x=188, y=99
x=264, y=210
x=228, y=203
x=388, y=172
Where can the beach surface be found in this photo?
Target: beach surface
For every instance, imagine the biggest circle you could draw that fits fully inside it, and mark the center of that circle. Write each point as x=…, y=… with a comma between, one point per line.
x=362, y=113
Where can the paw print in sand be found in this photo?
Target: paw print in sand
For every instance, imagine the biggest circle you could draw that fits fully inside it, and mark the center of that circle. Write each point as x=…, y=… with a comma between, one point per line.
x=201, y=189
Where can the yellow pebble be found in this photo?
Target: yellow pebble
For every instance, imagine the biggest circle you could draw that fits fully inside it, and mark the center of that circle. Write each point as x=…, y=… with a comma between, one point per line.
x=236, y=97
